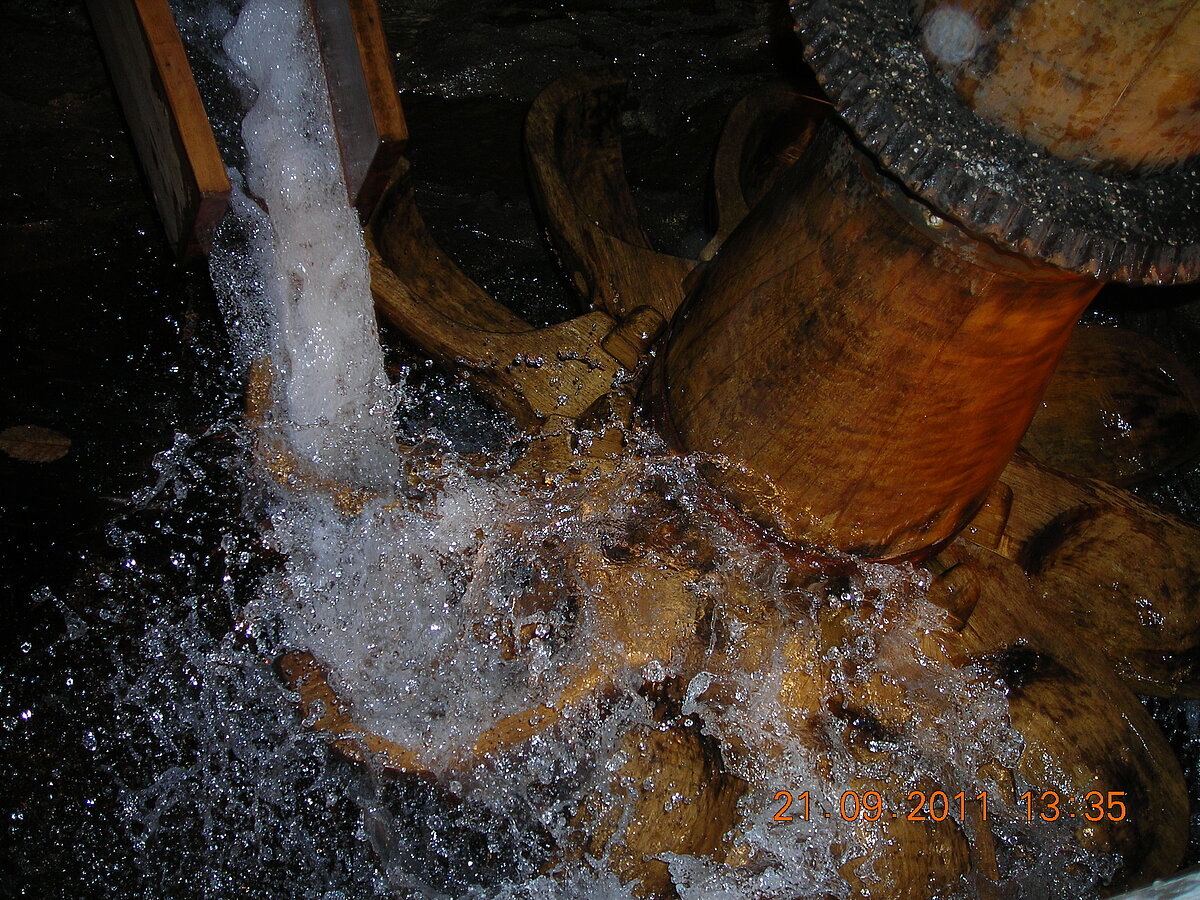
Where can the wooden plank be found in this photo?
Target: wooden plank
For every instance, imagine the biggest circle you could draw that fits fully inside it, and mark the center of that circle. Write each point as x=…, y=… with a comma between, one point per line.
x=367, y=115
x=166, y=118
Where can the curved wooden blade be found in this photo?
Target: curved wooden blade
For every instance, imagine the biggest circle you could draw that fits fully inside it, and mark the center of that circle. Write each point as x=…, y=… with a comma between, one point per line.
x=1083, y=729
x=532, y=373
x=400, y=239
x=560, y=370
x=1120, y=408
x=764, y=134
x=1120, y=573
x=330, y=714
x=573, y=143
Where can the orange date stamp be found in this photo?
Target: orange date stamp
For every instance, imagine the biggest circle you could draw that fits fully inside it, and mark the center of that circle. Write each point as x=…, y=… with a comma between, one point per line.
x=937, y=806
x=870, y=806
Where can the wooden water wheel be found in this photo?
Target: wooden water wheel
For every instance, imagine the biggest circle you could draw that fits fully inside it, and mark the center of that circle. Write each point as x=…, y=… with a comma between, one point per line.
x=1068, y=702
x=857, y=360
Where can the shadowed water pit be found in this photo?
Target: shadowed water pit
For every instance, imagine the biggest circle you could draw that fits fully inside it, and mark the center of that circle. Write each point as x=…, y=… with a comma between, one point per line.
x=463, y=596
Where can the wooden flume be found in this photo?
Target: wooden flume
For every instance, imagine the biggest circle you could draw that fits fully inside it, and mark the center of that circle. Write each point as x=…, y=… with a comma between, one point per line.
x=167, y=121
x=1038, y=541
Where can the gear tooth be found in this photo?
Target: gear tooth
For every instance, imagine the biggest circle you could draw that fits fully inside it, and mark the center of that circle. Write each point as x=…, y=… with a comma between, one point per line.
x=1029, y=201
x=1189, y=262
x=921, y=174
x=934, y=184
x=1084, y=255
x=1033, y=241
x=836, y=73
x=1131, y=261
x=1162, y=267
x=1002, y=212
x=1075, y=248
x=895, y=144
x=909, y=151
x=1017, y=223
x=818, y=45
x=869, y=117
x=1140, y=268
x=1103, y=252
x=955, y=193
x=991, y=206
x=1055, y=243
x=973, y=193
x=855, y=90
x=985, y=210
x=881, y=132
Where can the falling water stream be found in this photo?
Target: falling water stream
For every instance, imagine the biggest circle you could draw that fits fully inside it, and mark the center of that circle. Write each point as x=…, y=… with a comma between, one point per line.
x=193, y=770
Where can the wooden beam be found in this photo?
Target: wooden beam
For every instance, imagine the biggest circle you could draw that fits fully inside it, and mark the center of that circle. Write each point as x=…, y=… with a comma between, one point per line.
x=166, y=118
x=367, y=116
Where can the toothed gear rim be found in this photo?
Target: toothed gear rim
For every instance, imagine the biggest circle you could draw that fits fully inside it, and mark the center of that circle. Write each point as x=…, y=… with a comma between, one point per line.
x=866, y=56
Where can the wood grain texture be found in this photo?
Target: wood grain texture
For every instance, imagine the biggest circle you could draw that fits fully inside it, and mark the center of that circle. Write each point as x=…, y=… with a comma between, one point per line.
x=1083, y=728
x=672, y=796
x=765, y=133
x=166, y=118
x=1109, y=84
x=866, y=369
x=951, y=338
x=1111, y=568
x=532, y=373
x=572, y=141
x=1120, y=408
x=368, y=118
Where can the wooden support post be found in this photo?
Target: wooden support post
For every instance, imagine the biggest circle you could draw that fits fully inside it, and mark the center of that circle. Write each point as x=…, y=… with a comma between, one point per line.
x=367, y=116
x=166, y=118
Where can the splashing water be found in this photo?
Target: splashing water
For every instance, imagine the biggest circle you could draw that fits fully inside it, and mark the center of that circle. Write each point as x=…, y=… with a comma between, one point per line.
x=312, y=292
x=457, y=599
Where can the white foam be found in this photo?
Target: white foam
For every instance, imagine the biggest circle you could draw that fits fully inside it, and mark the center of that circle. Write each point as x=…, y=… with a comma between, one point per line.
x=334, y=404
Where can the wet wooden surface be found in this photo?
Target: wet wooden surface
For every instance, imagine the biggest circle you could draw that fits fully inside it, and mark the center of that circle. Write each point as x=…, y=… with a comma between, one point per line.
x=1107, y=83
x=573, y=144
x=166, y=118
x=865, y=400
x=1120, y=407
x=84, y=383
x=1120, y=572
x=1072, y=709
x=367, y=115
